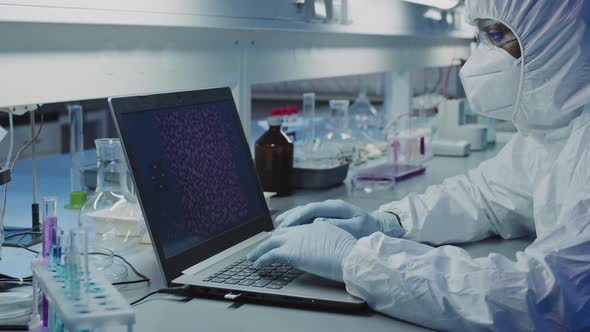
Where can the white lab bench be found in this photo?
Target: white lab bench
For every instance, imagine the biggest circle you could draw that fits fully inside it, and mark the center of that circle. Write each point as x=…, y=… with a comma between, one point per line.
x=166, y=313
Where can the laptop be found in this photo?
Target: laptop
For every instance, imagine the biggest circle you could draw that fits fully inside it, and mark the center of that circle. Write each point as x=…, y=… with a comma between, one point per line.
x=202, y=201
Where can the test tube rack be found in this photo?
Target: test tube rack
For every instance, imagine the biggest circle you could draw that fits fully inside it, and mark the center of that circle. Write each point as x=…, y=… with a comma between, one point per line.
x=99, y=305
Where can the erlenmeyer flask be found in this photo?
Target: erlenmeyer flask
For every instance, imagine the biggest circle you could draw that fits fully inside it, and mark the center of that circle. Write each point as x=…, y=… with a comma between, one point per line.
x=339, y=133
x=112, y=214
x=366, y=120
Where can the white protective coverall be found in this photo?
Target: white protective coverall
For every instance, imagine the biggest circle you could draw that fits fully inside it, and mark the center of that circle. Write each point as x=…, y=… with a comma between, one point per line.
x=538, y=185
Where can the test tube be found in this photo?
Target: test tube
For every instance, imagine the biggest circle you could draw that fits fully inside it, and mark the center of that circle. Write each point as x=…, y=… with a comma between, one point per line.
x=77, y=263
x=76, y=145
x=49, y=232
x=77, y=194
x=309, y=114
x=49, y=224
x=56, y=250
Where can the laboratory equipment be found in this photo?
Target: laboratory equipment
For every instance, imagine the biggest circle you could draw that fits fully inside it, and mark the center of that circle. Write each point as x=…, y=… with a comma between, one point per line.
x=28, y=235
x=49, y=234
x=369, y=182
x=319, y=178
x=384, y=177
x=409, y=136
x=358, y=138
x=366, y=120
x=453, y=118
x=452, y=113
x=471, y=118
x=318, y=162
x=76, y=121
x=491, y=125
x=79, y=298
x=112, y=213
x=309, y=117
x=49, y=224
x=339, y=133
x=35, y=206
x=409, y=148
x=274, y=159
x=320, y=154
x=475, y=134
x=450, y=148
x=339, y=115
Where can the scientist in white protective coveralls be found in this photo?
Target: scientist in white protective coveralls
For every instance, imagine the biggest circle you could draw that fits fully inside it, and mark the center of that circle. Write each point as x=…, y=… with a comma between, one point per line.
x=532, y=66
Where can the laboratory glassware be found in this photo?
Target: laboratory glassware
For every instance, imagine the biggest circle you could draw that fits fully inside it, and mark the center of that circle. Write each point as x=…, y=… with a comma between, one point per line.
x=28, y=235
x=309, y=117
x=339, y=132
x=79, y=298
x=366, y=120
x=303, y=148
x=313, y=153
x=409, y=147
x=369, y=182
x=77, y=194
x=274, y=159
x=112, y=214
x=49, y=234
x=49, y=224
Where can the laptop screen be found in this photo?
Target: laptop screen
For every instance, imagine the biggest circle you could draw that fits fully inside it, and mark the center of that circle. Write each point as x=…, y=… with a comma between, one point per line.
x=196, y=172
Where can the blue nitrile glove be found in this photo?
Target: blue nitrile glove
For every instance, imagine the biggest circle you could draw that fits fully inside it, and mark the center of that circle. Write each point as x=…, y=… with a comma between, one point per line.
x=316, y=248
x=350, y=218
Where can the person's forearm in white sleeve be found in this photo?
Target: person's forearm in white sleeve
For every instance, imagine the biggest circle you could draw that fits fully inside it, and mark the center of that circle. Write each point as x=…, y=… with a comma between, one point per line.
x=487, y=201
x=546, y=289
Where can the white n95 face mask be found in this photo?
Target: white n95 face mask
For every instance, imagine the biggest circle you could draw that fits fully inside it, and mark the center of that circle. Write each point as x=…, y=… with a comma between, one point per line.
x=491, y=78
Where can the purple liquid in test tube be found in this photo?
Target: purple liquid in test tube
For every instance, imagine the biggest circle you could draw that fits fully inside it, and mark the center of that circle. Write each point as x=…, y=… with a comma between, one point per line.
x=49, y=229
x=49, y=239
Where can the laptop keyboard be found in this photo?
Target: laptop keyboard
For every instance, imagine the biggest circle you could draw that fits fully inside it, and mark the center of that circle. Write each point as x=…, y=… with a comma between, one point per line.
x=243, y=273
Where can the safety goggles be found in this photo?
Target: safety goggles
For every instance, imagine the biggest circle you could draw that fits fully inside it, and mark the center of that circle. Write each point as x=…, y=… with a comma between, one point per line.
x=493, y=33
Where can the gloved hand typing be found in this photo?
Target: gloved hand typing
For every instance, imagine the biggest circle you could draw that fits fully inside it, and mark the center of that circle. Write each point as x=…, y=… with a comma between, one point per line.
x=348, y=217
x=317, y=248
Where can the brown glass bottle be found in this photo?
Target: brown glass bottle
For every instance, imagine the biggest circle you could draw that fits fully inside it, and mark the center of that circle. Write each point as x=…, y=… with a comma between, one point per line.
x=274, y=159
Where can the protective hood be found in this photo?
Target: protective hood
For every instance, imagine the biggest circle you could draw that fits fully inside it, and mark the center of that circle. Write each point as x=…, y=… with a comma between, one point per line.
x=555, y=39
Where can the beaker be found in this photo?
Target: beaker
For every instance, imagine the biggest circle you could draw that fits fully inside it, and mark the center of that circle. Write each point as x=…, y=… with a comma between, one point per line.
x=112, y=214
x=315, y=152
x=339, y=133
